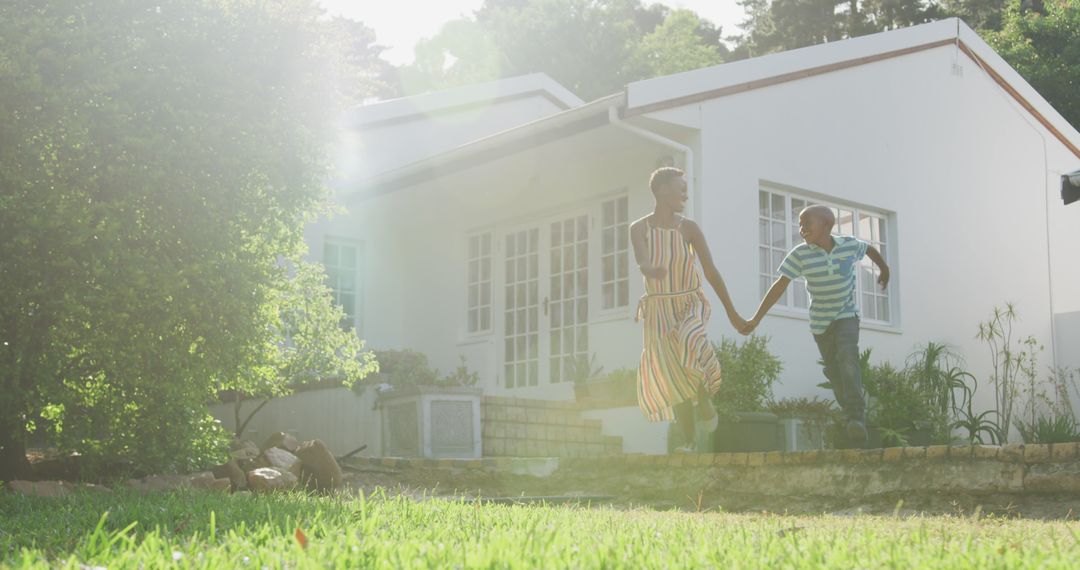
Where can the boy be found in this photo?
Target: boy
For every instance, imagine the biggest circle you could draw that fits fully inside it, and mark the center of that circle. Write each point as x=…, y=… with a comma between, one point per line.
x=828, y=263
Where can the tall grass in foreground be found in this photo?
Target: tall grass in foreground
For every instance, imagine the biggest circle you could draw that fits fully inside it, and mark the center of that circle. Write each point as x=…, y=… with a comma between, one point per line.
x=219, y=531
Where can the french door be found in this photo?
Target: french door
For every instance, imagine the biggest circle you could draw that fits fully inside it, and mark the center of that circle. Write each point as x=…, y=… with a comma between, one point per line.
x=545, y=301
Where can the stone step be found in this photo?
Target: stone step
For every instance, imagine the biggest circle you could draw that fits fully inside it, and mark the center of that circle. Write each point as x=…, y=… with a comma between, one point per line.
x=536, y=428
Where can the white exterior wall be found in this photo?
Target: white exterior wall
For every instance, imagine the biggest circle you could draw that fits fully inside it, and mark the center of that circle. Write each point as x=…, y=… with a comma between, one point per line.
x=1064, y=251
x=950, y=156
x=342, y=419
x=423, y=305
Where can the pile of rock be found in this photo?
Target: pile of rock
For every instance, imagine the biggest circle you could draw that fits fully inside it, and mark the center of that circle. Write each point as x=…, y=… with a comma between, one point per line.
x=280, y=464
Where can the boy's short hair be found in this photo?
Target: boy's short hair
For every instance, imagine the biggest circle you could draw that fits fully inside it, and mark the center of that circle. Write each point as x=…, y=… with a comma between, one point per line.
x=662, y=176
x=823, y=213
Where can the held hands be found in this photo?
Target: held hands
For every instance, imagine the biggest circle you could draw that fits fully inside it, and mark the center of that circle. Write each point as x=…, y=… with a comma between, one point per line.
x=738, y=322
x=747, y=326
x=742, y=325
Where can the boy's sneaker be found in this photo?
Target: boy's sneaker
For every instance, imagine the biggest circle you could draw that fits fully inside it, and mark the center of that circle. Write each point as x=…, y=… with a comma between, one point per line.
x=856, y=432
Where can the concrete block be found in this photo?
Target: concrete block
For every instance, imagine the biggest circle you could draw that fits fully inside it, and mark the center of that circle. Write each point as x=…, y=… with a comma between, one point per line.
x=892, y=454
x=1013, y=452
x=914, y=453
x=937, y=452
x=1037, y=453
x=986, y=452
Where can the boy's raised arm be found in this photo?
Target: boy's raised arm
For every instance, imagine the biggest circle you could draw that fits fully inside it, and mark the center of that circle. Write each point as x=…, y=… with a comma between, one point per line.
x=878, y=260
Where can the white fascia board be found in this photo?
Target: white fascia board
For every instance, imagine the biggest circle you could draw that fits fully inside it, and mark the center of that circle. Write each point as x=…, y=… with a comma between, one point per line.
x=466, y=95
x=500, y=139
x=987, y=54
x=660, y=89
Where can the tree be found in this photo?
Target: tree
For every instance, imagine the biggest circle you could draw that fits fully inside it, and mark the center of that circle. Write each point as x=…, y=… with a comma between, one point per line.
x=675, y=46
x=779, y=25
x=593, y=47
x=311, y=345
x=979, y=14
x=460, y=54
x=157, y=162
x=361, y=74
x=1044, y=47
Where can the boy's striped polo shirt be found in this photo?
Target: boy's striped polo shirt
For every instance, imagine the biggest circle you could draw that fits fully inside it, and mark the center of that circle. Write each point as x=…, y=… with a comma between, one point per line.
x=830, y=278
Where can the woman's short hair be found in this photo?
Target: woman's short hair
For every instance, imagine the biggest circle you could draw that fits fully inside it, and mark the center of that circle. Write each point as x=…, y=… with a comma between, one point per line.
x=662, y=176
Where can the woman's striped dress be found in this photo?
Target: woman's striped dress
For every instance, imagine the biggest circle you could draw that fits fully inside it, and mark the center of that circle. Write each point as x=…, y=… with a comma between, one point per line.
x=677, y=359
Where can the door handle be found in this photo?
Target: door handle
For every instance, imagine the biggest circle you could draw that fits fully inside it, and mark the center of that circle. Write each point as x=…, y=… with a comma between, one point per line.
x=545, y=306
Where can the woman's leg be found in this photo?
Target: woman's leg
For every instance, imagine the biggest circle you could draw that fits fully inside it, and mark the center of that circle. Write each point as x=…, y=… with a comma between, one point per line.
x=684, y=418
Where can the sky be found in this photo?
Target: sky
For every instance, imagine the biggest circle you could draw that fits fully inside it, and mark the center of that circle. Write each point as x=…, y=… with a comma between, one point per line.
x=399, y=24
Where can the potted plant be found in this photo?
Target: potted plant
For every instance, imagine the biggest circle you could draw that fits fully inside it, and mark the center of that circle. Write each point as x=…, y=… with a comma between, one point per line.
x=614, y=389
x=582, y=370
x=749, y=373
x=803, y=421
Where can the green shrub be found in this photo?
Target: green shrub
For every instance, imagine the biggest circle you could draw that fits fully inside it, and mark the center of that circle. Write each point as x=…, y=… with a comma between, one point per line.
x=803, y=407
x=1050, y=429
x=404, y=367
x=900, y=403
x=407, y=367
x=749, y=373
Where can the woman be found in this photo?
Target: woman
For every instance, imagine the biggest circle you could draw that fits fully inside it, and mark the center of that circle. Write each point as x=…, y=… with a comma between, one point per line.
x=679, y=367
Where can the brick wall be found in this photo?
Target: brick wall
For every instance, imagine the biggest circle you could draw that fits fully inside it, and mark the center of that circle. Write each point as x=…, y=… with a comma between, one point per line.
x=520, y=427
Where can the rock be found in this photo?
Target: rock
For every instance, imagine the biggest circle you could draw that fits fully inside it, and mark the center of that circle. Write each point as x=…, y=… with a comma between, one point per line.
x=158, y=483
x=231, y=470
x=40, y=488
x=206, y=480
x=266, y=479
x=281, y=460
x=320, y=470
x=243, y=450
x=281, y=440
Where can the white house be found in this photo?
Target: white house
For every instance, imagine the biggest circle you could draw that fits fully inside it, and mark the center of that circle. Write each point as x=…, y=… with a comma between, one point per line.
x=491, y=221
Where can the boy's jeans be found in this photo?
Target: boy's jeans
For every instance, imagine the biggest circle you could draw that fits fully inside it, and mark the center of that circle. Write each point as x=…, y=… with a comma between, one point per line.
x=839, y=346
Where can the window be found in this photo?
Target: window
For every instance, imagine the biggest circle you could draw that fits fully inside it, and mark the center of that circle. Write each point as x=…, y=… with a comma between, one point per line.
x=479, y=284
x=342, y=261
x=522, y=309
x=614, y=254
x=568, y=314
x=778, y=233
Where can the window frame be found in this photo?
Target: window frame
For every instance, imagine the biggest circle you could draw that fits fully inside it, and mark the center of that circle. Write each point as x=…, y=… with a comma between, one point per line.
x=358, y=288
x=858, y=211
x=490, y=281
x=616, y=309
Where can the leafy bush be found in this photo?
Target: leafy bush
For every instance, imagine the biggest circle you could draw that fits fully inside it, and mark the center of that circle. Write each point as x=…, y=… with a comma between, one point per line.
x=409, y=367
x=582, y=368
x=802, y=407
x=622, y=375
x=404, y=367
x=1050, y=429
x=900, y=404
x=461, y=376
x=749, y=373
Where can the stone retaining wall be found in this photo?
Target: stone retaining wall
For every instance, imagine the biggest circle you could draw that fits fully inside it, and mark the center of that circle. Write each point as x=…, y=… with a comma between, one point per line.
x=1013, y=469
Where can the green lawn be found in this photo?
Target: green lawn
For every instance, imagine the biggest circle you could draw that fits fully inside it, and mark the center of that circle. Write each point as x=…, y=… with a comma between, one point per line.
x=219, y=531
